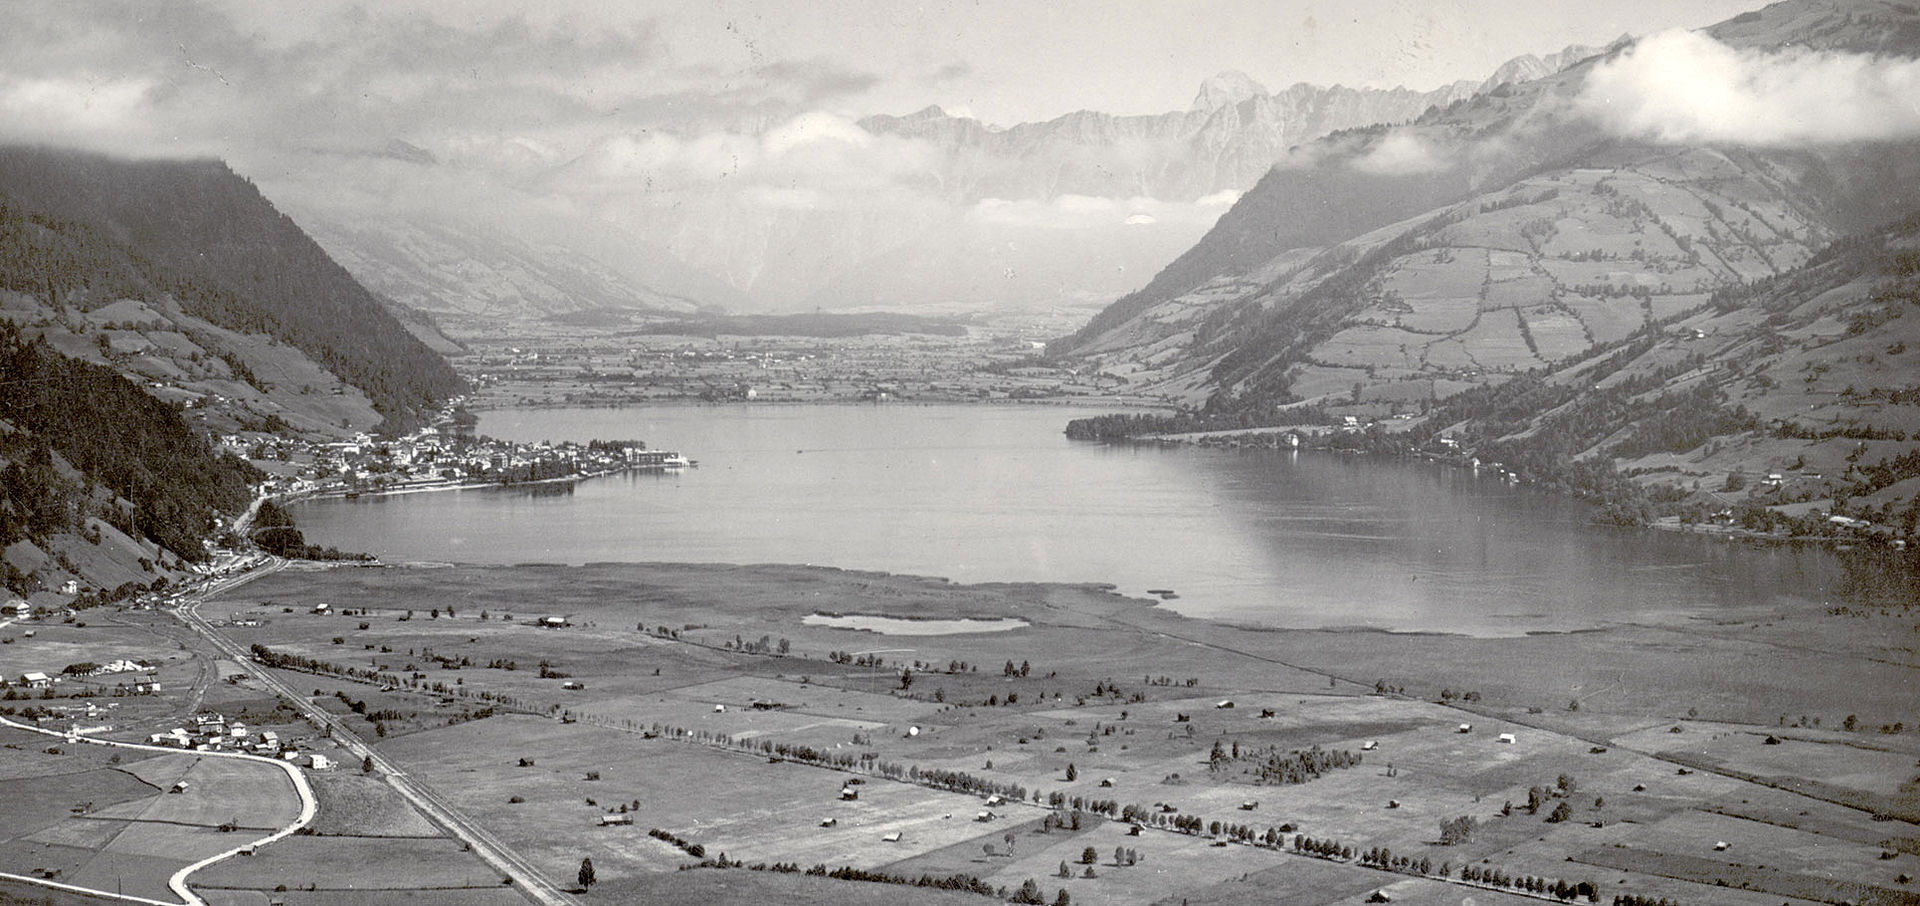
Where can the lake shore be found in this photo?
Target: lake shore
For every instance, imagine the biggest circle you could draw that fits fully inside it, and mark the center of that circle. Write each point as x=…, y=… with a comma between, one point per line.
x=671, y=684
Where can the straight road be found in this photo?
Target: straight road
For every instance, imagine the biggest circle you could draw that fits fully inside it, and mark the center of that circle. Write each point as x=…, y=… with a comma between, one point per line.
x=526, y=877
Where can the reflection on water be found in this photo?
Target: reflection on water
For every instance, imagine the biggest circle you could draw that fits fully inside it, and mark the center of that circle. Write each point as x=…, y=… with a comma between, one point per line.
x=979, y=493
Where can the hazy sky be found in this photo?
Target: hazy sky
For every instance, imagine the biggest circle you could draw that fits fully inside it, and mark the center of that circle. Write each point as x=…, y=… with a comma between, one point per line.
x=514, y=78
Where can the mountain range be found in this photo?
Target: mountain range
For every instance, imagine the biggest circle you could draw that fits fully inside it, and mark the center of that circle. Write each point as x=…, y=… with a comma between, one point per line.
x=962, y=216
x=1534, y=230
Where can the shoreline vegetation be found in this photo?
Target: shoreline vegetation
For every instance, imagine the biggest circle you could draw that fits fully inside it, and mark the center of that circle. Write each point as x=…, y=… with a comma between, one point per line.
x=1617, y=499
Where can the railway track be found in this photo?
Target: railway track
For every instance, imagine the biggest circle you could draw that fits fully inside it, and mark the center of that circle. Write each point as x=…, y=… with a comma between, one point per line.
x=523, y=873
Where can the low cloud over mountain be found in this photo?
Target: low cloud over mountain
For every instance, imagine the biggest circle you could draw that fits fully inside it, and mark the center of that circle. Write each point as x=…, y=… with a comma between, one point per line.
x=1687, y=87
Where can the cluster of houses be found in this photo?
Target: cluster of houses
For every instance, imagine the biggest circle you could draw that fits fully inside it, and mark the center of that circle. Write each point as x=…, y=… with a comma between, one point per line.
x=143, y=685
x=430, y=459
x=212, y=732
x=76, y=717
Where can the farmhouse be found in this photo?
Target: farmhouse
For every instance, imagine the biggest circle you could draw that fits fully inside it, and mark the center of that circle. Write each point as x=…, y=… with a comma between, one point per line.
x=890, y=838
x=553, y=622
x=611, y=820
x=1466, y=728
x=1506, y=738
x=35, y=680
x=175, y=737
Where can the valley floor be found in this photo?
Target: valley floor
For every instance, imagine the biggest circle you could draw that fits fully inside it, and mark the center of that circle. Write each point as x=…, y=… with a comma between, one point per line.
x=1753, y=756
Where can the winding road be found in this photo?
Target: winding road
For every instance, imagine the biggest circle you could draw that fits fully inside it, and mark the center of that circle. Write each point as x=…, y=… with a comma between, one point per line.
x=309, y=806
x=490, y=848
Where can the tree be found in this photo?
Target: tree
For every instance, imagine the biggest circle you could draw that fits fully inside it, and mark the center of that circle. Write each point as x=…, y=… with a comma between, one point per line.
x=1457, y=830
x=1088, y=856
x=586, y=873
x=1560, y=813
x=1062, y=899
x=1072, y=772
x=366, y=765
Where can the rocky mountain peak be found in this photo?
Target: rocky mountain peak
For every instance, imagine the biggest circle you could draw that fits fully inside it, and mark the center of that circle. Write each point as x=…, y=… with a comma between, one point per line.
x=1227, y=89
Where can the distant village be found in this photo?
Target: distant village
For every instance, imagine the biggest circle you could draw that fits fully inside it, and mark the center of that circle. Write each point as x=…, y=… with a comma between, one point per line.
x=429, y=460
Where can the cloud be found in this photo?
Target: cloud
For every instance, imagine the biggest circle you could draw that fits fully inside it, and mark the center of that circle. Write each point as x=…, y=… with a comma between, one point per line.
x=1401, y=153
x=1083, y=212
x=824, y=158
x=958, y=69
x=1685, y=87
x=239, y=81
x=817, y=79
x=75, y=108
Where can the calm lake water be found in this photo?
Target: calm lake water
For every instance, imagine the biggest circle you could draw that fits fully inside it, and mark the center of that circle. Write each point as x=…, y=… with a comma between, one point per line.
x=993, y=493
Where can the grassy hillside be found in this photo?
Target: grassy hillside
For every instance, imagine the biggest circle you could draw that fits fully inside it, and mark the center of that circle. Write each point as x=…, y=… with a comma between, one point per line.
x=82, y=231
x=1770, y=405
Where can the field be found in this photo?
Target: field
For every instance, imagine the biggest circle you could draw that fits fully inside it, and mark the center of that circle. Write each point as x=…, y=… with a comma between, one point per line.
x=1747, y=759
x=107, y=823
x=670, y=687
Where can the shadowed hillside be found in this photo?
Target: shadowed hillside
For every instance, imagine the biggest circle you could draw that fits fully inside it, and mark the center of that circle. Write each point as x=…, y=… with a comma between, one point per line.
x=82, y=231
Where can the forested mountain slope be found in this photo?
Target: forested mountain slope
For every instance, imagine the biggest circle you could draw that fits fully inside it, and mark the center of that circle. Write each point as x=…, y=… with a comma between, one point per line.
x=79, y=232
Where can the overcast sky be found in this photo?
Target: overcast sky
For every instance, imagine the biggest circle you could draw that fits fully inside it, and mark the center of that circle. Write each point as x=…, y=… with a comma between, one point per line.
x=503, y=79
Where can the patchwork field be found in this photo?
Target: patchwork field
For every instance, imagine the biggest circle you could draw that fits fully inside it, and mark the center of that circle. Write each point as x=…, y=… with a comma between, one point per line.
x=114, y=827
x=1157, y=758
x=681, y=695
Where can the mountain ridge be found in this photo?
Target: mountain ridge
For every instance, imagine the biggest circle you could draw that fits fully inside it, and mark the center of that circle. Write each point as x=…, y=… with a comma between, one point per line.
x=88, y=230
x=1515, y=235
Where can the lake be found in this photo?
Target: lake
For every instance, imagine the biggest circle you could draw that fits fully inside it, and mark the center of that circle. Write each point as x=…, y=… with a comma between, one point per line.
x=997, y=493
